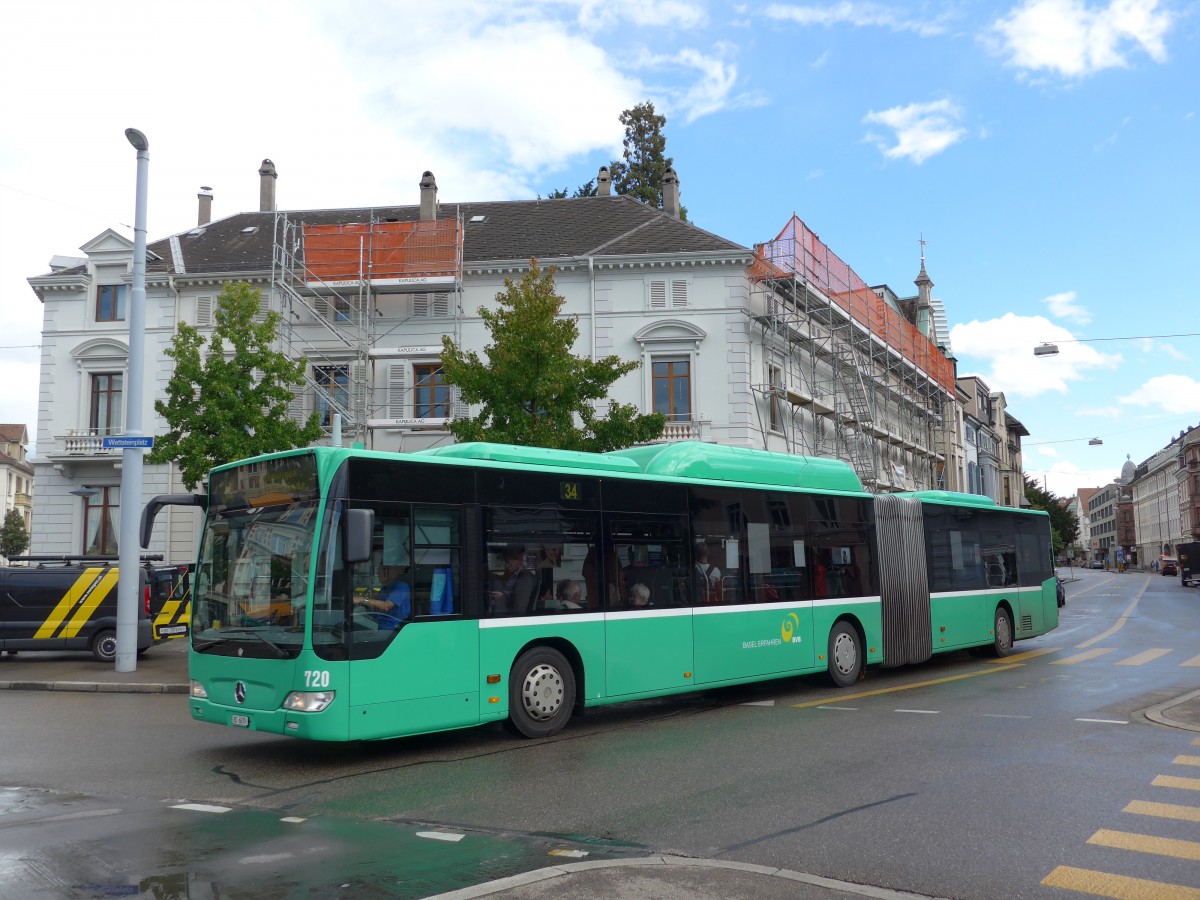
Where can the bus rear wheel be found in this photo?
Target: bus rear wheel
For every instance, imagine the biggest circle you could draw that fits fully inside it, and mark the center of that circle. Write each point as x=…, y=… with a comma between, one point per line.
x=541, y=693
x=845, y=655
x=1002, y=631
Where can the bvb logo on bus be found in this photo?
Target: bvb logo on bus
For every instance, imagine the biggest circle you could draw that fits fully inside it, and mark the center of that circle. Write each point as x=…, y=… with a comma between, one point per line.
x=789, y=627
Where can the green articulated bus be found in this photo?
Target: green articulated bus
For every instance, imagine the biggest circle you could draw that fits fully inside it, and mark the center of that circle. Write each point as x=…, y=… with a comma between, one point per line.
x=344, y=594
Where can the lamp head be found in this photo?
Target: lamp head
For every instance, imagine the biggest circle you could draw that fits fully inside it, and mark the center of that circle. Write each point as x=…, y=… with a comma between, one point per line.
x=1046, y=350
x=139, y=140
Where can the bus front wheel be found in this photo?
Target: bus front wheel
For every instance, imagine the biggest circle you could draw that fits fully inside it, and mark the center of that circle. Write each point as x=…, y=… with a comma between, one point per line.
x=541, y=693
x=1002, y=643
x=845, y=655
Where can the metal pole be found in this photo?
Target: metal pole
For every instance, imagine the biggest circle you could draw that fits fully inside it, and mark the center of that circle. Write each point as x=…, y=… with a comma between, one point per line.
x=131, y=457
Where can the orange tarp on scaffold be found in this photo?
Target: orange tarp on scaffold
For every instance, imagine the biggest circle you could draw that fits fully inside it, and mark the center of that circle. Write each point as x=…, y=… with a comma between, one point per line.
x=382, y=251
x=797, y=251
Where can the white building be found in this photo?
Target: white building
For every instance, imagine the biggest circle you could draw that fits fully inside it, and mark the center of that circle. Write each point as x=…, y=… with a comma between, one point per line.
x=754, y=348
x=1156, y=504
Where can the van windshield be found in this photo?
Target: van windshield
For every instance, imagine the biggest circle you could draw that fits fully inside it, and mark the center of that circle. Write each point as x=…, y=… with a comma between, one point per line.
x=251, y=583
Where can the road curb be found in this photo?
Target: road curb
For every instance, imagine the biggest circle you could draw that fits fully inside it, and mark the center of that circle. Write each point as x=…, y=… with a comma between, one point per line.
x=1158, y=713
x=538, y=875
x=95, y=687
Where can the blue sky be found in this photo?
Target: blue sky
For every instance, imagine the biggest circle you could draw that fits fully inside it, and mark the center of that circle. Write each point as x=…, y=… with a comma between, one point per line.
x=1044, y=149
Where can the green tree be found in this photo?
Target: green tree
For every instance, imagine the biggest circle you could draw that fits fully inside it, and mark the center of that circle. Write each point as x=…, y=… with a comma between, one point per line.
x=13, y=536
x=532, y=388
x=233, y=402
x=1063, y=522
x=640, y=173
x=584, y=190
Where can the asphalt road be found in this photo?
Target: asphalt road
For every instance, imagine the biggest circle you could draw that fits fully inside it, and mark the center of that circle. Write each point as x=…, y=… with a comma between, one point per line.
x=963, y=777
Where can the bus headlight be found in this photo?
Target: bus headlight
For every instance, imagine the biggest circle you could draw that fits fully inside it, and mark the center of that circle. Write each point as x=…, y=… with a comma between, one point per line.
x=308, y=701
x=198, y=692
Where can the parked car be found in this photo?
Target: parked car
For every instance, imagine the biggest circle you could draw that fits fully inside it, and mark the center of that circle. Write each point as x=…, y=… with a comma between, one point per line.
x=67, y=603
x=1169, y=566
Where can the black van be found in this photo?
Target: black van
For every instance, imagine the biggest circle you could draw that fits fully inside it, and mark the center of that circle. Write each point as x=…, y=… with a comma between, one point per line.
x=67, y=603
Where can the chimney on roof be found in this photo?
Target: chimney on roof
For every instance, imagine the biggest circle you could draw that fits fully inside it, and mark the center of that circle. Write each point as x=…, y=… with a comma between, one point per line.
x=603, y=183
x=266, y=186
x=205, y=198
x=428, y=196
x=670, y=193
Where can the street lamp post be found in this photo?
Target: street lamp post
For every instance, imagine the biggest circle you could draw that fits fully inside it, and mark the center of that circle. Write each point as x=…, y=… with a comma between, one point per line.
x=131, y=457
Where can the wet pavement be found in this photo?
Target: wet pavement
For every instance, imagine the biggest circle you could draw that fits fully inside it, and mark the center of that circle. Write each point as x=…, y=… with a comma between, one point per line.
x=603, y=872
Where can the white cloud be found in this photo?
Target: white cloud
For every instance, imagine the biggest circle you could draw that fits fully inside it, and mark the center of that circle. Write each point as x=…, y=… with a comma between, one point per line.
x=1177, y=394
x=921, y=130
x=1063, y=306
x=709, y=91
x=1102, y=412
x=1072, y=39
x=1047, y=451
x=860, y=15
x=1006, y=344
x=599, y=14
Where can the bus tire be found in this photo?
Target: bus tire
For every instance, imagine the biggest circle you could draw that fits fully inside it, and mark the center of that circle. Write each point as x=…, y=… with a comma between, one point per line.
x=845, y=655
x=541, y=693
x=1002, y=631
x=104, y=645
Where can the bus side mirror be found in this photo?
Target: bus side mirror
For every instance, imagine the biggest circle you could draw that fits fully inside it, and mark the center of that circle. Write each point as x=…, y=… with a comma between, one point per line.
x=358, y=526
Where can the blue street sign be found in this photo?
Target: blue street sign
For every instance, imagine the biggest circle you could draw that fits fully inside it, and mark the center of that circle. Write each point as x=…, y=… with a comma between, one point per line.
x=121, y=443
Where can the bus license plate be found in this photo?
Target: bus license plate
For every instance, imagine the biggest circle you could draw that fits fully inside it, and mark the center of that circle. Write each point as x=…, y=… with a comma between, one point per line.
x=240, y=721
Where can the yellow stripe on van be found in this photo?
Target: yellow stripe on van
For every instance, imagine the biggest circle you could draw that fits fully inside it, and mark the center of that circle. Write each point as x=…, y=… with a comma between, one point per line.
x=88, y=606
x=63, y=608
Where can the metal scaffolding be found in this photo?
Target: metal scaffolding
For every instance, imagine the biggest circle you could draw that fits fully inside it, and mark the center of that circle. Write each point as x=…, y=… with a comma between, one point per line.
x=345, y=286
x=845, y=374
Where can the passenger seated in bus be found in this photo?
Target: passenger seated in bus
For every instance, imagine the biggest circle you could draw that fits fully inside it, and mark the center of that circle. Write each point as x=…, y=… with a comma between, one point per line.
x=639, y=596
x=514, y=589
x=392, y=602
x=708, y=577
x=568, y=595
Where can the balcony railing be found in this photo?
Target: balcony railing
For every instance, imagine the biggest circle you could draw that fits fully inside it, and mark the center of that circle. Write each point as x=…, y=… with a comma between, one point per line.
x=683, y=431
x=84, y=442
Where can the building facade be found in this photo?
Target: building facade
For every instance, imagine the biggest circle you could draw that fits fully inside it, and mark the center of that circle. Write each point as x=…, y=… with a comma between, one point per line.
x=1155, y=493
x=16, y=474
x=1102, y=524
x=755, y=348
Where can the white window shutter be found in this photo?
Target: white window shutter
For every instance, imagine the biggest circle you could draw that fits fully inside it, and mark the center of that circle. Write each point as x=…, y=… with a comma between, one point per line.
x=679, y=294
x=421, y=305
x=264, y=306
x=358, y=389
x=441, y=304
x=321, y=305
x=658, y=295
x=296, y=407
x=458, y=409
x=396, y=377
x=204, y=311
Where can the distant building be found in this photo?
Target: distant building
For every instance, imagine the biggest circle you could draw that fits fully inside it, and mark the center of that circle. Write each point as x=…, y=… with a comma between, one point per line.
x=16, y=474
x=1155, y=494
x=1102, y=517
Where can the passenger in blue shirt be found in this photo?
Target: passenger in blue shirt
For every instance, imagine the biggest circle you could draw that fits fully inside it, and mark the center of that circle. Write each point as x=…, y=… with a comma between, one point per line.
x=392, y=603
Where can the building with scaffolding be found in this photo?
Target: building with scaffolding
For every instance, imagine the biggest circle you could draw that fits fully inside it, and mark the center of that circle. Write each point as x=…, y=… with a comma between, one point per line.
x=781, y=346
x=844, y=372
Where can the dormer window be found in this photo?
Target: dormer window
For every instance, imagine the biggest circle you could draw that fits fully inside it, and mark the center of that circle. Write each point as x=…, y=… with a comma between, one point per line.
x=110, y=302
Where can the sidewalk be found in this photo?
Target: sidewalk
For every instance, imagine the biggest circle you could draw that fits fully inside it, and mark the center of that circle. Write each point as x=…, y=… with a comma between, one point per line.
x=162, y=669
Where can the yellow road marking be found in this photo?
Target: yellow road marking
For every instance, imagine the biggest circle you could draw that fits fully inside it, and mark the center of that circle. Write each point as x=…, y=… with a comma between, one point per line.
x=1194, y=661
x=1174, y=781
x=1144, y=843
x=99, y=592
x=1120, y=623
x=1021, y=657
x=63, y=608
x=1082, y=657
x=904, y=687
x=1164, y=810
x=1144, y=657
x=1119, y=887
x=1187, y=760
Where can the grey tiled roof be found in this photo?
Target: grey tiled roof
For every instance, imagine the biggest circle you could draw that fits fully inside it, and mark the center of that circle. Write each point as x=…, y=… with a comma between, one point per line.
x=509, y=230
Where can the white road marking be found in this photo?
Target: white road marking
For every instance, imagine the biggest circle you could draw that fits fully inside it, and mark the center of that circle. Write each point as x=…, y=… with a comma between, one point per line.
x=1003, y=716
x=202, y=807
x=293, y=819
x=759, y=703
x=1104, y=721
x=441, y=836
x=923, y=712
x=840, y=708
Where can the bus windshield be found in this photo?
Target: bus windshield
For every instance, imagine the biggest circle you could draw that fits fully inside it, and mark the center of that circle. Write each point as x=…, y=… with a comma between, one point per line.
x=251, y=586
